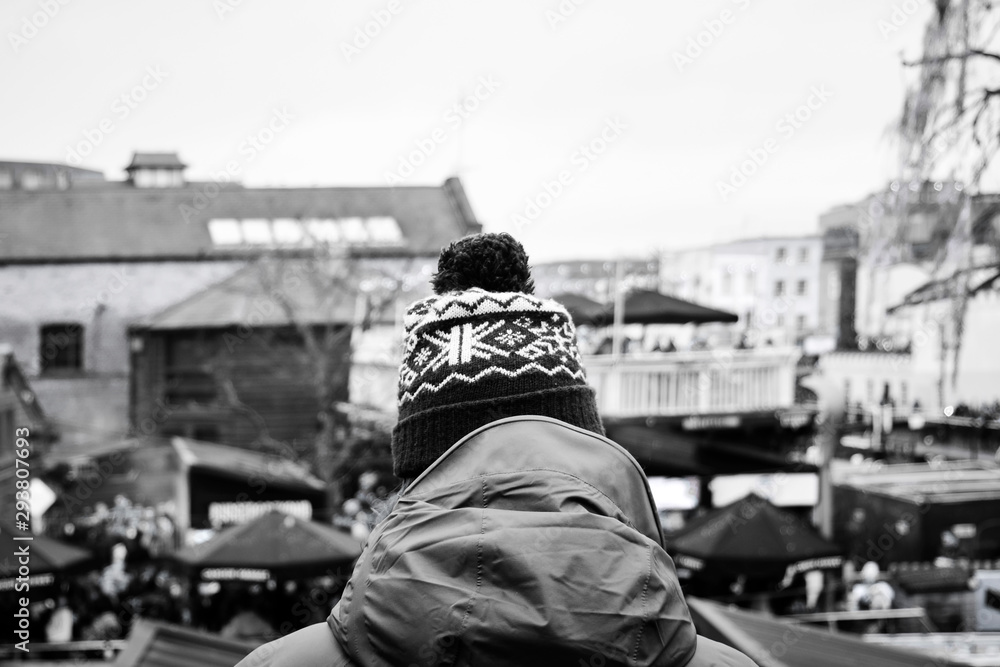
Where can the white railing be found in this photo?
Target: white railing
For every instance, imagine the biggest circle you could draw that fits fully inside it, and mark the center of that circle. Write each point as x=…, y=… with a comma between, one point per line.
x=646, y=384
x=703, y=382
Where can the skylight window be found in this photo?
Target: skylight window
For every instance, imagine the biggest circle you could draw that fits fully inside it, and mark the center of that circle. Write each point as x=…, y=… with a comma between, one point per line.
x=287, y=231
x=354, y=230
x=225, y=231
x=257, y=231
x=384, y=230
x=379, y=230
x=322, y=230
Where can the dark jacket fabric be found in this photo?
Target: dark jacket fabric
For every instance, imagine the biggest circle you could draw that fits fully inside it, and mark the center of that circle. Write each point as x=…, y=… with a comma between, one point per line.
x=528, y=542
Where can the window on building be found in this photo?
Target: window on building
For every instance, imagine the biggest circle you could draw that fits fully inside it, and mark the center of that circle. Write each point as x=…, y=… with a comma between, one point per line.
x=385, y=229
x=287, y=231
x=225, y=231
x=800, y=322
x=803, y=255
x=61, y=347
x=257, y=231
x=354, y=230
x=779, y=288
x=780, y=254
x=800, y=288
x=904, y=394
x=31, y=179
x=322, y=230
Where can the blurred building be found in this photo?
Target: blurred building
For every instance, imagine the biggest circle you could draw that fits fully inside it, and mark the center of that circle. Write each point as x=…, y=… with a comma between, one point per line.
x=83, y=258
x=838, y=274
x=28, y=176
x=919, y=512
x=594, y=279
x=199, y=485
x=771, y=283
x=909, y=281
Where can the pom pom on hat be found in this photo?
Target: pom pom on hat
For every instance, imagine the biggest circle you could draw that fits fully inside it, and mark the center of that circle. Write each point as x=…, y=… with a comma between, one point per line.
x=492, y=262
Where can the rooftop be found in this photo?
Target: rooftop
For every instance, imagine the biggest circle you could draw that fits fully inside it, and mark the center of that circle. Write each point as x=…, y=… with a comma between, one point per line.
x=155, y=161
x=116, y=221
x=946, y=482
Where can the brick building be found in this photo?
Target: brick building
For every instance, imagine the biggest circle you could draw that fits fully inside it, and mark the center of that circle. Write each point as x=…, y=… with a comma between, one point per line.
x=83, y=258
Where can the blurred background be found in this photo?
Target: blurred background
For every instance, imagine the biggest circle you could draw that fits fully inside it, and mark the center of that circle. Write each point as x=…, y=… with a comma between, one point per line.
x=775, y=226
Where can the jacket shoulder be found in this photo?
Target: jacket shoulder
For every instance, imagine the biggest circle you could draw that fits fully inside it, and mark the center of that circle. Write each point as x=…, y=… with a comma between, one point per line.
x=312, y=646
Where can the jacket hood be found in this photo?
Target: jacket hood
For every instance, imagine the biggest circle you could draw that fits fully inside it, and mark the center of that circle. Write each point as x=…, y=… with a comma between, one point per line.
x=528, y=538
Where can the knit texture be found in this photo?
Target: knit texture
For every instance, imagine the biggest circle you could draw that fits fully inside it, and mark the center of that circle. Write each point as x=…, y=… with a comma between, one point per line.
x=473, y=356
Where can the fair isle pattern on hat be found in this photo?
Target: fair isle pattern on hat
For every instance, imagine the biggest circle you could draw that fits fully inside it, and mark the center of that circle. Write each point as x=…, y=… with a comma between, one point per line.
x=484, y=348
x=455, y=340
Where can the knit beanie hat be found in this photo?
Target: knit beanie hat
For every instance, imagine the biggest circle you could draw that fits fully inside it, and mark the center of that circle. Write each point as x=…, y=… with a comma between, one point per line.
x=481, y=349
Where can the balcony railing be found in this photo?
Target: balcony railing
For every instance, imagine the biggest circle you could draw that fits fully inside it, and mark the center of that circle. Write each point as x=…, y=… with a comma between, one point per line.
x=647, y=384
x=702, y=382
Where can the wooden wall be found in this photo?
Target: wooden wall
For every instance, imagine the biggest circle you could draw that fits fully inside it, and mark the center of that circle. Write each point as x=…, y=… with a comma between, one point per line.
x=229, y=387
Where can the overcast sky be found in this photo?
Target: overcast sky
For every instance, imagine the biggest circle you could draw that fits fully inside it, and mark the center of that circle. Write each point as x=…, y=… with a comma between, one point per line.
x=600, y=113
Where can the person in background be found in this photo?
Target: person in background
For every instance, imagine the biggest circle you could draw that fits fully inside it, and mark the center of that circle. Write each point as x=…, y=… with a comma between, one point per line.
x=60, y=626
x=523, y=535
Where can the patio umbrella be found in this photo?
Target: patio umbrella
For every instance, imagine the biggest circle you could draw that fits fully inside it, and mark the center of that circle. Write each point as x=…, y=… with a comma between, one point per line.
x=276, y=542
x=584, y=310
x=47, y=556
x=652, y=307
x=754, y=538
x=641, y=307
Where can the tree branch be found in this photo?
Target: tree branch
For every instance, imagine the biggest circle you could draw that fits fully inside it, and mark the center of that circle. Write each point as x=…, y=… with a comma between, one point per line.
x=952, y=56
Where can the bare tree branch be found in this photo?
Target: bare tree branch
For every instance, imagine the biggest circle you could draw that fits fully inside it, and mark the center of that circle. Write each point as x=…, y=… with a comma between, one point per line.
x=937, y=60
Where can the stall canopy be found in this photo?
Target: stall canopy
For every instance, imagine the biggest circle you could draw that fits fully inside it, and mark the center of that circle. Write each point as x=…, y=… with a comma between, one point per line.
x=775, y=642
x=154, y=644
x=642, y=307
x=48, y=556
x=274, y=544
x=752, y=537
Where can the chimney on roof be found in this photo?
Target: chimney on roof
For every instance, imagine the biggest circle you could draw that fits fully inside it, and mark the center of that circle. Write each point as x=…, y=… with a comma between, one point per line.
x=155, y=170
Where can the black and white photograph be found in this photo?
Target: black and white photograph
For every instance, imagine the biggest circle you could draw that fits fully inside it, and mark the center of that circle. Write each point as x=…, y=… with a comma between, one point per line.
x=559, y=332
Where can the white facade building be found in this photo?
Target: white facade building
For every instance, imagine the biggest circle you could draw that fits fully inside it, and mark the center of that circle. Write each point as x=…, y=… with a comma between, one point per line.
x=771, y=283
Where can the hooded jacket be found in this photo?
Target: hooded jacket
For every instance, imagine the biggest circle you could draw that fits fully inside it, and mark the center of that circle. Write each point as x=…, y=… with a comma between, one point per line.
x=530, y=541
